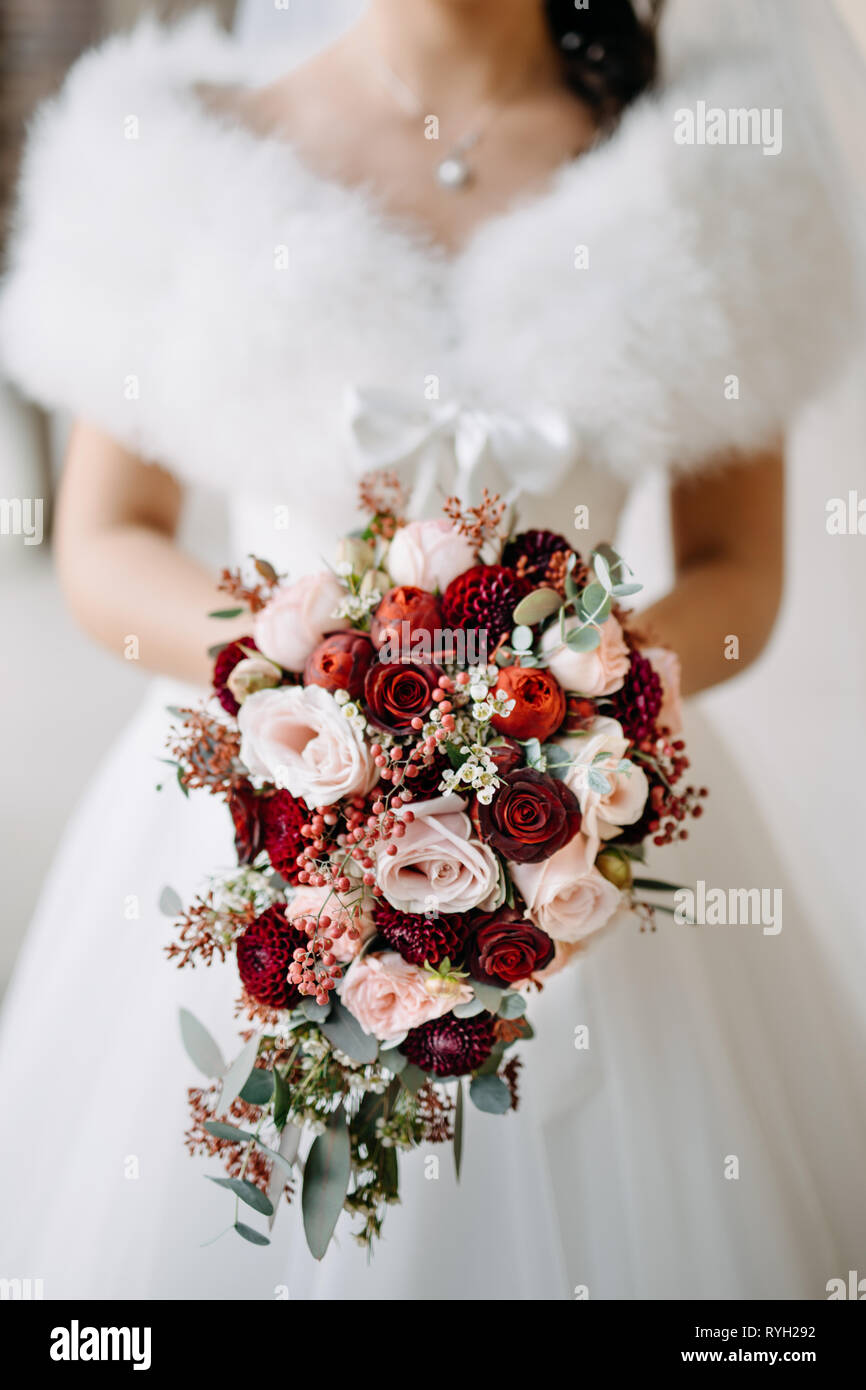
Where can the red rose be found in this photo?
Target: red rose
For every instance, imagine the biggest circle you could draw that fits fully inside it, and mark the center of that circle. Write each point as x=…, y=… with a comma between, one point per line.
x=396, y=693
x=418, y=609
x=531, y=816
x=506, y=754
x=505, y=948
x=340, y=662
x=539, y=703
x=245, y=808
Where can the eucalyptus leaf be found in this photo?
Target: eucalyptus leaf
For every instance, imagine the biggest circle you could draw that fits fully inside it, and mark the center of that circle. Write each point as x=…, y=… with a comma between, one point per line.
x=490, y=995
x=472, y=1007
x=513, y=1005
x=534, y=756
x=254, y=1237
x=282, y=1099
x=583, y=639
x=458, y=1130
x=412, y=1078
x=521, y=638
x=200, y=1046
x=537, y=606
x=247, y=1192
x=393, y=1059
x=490, y=1093
x=597, y=782
x=170, y=904
x=258, y=1087
x=557, y=760
x=626, y=590
x=238, y=1073
x=326, y=1182
x=316, y=1013
x=283, y=1159
x=221, y=1130
x=344, y=1032
x=600, y=565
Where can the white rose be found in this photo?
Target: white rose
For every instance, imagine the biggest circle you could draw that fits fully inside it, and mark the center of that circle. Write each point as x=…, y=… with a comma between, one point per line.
x=429, y=554
x=299, y=738
x=604, y=813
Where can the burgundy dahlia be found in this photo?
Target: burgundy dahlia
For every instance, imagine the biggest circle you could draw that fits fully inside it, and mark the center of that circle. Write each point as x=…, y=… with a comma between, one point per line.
x=230, y=656
x=451, y=1046
x=637, y=703
x=282, y=817
x=419, y=939
x=505, y=947
x=484, y=598
x=264, y=954
x=531, y=552
x=531, y=816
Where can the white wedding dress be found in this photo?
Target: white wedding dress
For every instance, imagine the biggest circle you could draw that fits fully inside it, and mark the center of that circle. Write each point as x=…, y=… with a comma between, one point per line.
x=710, y=1141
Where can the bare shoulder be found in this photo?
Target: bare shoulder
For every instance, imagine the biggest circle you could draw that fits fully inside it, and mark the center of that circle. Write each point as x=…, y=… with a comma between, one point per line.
x=294, y=101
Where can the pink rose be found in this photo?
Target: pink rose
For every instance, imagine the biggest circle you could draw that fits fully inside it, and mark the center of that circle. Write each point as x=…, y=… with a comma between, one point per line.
x=428, y=554
x=310, y=902
x=298, y=737
x=388, y=996
x=565, y=895
x=297, y=618
x=438, y=865
x=667, y=665
x=600, y=754
x=588, y=673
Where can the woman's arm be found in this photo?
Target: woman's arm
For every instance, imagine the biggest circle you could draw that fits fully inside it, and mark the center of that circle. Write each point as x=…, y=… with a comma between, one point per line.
x=120, y=570
x=728, y=539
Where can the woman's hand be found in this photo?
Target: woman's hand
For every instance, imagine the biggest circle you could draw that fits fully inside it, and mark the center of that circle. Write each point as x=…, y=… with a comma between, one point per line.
x=121, y=572
x=728, y=540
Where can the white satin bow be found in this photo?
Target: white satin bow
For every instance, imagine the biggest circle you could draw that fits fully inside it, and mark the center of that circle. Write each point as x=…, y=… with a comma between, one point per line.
x=469, y=448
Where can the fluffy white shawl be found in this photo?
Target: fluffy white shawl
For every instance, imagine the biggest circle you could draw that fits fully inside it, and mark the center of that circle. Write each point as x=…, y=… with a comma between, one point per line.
x=198, y=292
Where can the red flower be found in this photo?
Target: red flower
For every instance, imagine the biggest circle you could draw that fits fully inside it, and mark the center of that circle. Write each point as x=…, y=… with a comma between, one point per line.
x=264, y=954
x=531, y=816
x=225, y=663
x=417, y=608
x=450, y=1046
x=340, y=662
x=484, y=598
x=245, y=807
x=505, y=948
x=282, y=817
x=395, y=694
x=539, y=703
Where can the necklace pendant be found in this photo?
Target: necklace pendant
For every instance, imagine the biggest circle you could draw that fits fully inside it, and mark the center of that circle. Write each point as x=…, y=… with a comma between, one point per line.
x=453, y=172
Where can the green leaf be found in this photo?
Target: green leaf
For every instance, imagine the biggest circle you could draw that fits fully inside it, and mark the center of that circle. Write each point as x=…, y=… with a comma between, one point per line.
x=595, y=604
x=521, y=638
x=458, y=1130
x=583, y=639
x=170, y=904
x=490, y=1093
x=238, y=1073
x=534, y=756
x=626, y=590
x=343, y=1031
x=490, y=995
x=282, y=1098
x=557, y=760
x=247, y=1192
x=326, y=1182
x=536, y=607
x=656, y=885
x=181, y=783
x=221, y=1130
x=254, y=1237
x=200, y=1046
x=258, y=1087
x=513, y=1006
x=226, y=613
x=390, y=1172
x=455, y=757
x=597, y=782
x=600, y=565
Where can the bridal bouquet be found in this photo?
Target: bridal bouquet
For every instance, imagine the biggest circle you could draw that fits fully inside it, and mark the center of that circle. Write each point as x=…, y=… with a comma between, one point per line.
x=442, y=758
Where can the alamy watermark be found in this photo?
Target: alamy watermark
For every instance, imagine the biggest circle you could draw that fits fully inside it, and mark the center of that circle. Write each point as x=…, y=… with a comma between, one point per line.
x=22, y=516
x=729, y=907
x=702, y=124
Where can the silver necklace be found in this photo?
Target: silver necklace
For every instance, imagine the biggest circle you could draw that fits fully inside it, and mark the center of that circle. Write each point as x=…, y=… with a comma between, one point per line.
x=454, y=171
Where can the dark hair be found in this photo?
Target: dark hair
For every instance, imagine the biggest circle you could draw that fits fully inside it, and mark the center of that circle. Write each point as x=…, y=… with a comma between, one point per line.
x=608, y=54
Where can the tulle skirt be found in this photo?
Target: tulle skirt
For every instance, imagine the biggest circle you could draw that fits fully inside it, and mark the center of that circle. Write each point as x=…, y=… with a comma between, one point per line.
x=692, y=1120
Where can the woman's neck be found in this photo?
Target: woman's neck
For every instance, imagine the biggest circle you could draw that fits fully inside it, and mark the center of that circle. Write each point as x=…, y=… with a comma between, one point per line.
x=463, y=51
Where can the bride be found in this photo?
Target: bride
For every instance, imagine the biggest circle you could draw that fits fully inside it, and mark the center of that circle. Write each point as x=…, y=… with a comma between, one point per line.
x=482, y=202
